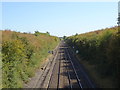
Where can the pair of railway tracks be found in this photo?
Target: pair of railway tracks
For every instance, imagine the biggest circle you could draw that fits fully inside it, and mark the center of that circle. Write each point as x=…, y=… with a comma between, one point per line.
x=53, y=76
x=61, y=71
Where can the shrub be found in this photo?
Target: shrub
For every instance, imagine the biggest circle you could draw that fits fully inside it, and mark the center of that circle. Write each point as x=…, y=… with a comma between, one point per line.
x=100, y=48
x=22, y=55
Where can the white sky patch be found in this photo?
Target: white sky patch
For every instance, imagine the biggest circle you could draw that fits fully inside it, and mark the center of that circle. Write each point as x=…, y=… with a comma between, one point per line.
x=59, y=0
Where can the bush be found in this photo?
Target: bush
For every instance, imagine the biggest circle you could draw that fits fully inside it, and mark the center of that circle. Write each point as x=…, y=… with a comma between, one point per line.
x=13, y=56
x=100, y=48
x=22, y=54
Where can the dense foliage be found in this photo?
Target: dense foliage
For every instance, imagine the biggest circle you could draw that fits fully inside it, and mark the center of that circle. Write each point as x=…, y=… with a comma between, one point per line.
x=100, y=48
x=22, y=53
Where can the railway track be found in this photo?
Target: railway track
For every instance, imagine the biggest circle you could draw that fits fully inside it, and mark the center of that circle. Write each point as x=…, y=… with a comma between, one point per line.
x=43, y=80
x=74, y=70
x=61, y=72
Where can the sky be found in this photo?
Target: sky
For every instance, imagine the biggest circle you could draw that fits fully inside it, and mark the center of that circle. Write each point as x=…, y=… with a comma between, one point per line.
x=59, y=18
x=119, y=7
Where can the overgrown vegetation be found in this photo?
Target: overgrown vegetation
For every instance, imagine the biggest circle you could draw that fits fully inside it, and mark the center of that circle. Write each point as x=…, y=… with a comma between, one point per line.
x=22, y=54
x=37, y=33
x=100, y=48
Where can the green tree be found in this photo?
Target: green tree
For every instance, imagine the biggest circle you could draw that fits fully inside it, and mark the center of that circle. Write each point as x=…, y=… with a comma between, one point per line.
x=37, y=33
x=64, y=37
x=47, y=33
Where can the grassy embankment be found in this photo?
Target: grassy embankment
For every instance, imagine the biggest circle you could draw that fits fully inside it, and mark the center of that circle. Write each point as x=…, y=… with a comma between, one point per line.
x=0, y=70
x=100, y=53
x=22, y=54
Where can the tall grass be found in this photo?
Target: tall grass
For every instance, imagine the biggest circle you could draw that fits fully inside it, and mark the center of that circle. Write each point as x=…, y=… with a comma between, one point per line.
x=22, y=54
x=100, y=48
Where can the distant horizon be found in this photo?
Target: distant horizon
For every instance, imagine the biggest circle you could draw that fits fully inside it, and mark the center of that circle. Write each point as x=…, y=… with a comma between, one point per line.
x=59, y=18
x=60, y=36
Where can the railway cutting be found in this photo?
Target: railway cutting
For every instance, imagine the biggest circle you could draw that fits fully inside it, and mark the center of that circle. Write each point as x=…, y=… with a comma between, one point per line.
x=63, y=71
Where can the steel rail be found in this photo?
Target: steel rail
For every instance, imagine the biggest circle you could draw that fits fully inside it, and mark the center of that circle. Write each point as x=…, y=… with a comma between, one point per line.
x=52, y=70
x=47, y=72
x=68, y=71
x=49, y=62
x=92, y=85
x=59, y=71
x=79, y=82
